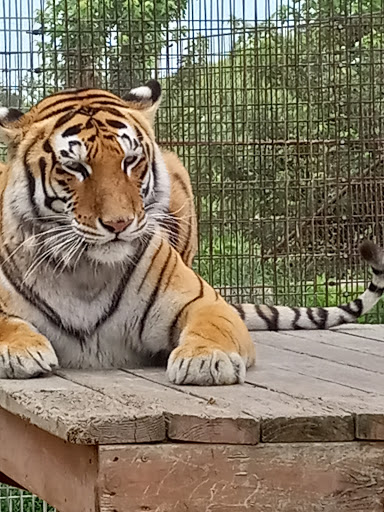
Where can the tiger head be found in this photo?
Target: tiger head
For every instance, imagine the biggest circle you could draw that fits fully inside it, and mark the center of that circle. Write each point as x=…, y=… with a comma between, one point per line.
x=87, y=161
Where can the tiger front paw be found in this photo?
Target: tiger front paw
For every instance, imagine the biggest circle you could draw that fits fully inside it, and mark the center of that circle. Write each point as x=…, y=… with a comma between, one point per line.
x=24, y=353
x=205, y=366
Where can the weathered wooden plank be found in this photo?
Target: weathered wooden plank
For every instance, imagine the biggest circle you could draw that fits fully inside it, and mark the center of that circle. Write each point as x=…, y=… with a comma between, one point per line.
x=367, y=408
x=301, y=386
x=370, y=426
x=339, y=339
x=187, y=418
x=333, y=477
x=306, y=342
x=283, y=418
x=80, y=415
x=64, y=474
x=356, y=378
x=368, y=331
x=364, y=401
x=318, y=402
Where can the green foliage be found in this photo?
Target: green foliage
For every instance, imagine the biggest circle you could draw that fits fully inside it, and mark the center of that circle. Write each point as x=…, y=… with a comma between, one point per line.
x=10, y=99
x=253, y=278
x=325, y=292
x=311, y=73
x=105, y=43
x=10, y=501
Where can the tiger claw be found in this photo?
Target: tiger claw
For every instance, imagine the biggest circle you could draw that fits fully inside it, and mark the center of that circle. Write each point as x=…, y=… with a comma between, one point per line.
x=210, y=367
x=26, y=354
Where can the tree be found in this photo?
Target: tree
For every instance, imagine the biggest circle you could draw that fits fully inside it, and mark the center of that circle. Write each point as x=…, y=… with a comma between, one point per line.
x=9, y=98
x=303, y=93
x=282, y=134
x=282, y=137
x=107, y=43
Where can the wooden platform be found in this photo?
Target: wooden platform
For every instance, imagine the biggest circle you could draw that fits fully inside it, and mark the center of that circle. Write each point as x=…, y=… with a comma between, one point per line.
x=304, y=434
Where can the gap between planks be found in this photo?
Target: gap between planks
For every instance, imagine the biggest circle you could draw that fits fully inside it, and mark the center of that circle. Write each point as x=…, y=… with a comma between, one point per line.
x=289, y=397
x=280, y=417
x=293, y=353
x=283, y=418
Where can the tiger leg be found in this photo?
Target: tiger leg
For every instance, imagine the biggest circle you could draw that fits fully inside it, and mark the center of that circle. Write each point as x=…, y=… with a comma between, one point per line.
x=215, y=347
x=24, y=353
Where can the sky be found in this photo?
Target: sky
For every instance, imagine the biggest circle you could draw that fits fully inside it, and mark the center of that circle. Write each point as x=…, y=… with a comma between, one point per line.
x=18, y=51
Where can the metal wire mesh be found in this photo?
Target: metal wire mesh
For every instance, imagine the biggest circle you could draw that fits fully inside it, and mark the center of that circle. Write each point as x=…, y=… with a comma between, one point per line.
x=276, y=108
x=14, y=500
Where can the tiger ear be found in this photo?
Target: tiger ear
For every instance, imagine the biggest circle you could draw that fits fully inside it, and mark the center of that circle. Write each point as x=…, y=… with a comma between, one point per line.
x=10, y=131
x=146, y=98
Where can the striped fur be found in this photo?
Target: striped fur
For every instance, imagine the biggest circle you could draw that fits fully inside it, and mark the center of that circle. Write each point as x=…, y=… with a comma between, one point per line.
x=96, y=223
x=278, y=318
x=98, y=233
x=180, y=223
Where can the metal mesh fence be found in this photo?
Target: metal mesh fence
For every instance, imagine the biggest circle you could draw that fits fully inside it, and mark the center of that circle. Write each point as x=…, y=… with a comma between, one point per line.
x=14, y=500
x=276, y=108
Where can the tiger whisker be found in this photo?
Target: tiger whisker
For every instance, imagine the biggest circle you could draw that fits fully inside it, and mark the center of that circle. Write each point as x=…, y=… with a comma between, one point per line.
x=182, y=235
x=81, y=252
x=72, y=252
x=30, y=238
x=51, y=252
x=67, y=256
x=170, y=215
x=41, y=255
x=172, y=212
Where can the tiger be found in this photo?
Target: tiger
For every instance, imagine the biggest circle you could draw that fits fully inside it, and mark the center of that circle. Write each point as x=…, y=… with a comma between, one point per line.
x=180, y=219
x=98, y=235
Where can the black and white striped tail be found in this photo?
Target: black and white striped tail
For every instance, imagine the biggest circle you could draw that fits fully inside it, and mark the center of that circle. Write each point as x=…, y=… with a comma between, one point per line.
x=279, y=318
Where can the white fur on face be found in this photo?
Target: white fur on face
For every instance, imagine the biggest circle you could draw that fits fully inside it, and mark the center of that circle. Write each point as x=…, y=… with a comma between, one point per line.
x=163, y=183
x=72, y=150
x=111, y=253
x=102, y=244
x=133, y=151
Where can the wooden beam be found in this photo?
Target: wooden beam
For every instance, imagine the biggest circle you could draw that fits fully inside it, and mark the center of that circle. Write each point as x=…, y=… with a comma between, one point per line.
x=370, y=427
x=61, y=473
x=4, y=479
x=335, y=477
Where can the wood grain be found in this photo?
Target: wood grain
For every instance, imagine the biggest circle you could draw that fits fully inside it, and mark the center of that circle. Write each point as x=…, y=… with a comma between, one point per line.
x=331, y=371
x=282, y=417
x=187, y=418
x=329, y=348
x=366, y=408
x=370, y=427
x=373, y=332
x=317, y=366
x=63, y=474
x=338, y=338
x=297, y=385
x=305, y=388
x=78, y=414
x=313, y=477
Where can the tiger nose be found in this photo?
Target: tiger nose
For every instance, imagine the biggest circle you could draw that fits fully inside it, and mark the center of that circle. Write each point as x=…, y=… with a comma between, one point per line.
x=116, y=226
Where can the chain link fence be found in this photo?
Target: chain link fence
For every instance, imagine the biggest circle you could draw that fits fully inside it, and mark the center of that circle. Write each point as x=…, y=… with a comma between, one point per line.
x=276, y=109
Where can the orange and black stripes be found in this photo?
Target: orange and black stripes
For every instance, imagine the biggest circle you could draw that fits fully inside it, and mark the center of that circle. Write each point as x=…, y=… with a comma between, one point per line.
x=155, y=292
x=174, y=325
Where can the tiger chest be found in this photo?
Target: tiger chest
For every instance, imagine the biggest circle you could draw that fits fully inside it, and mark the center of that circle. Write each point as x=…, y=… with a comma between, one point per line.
x=91, y=328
